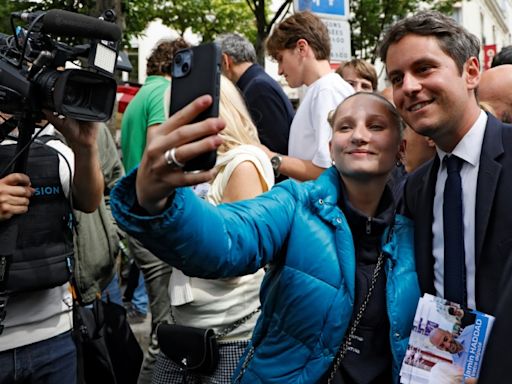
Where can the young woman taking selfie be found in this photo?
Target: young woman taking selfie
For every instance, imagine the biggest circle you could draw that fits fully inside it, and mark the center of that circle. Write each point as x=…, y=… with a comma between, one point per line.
x=339, y=296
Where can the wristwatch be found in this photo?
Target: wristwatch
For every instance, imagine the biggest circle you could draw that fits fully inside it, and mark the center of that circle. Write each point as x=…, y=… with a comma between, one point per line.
x=276, y=164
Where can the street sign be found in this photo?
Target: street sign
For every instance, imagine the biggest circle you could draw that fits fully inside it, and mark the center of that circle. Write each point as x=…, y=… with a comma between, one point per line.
x=335, y=8
x=339, y=33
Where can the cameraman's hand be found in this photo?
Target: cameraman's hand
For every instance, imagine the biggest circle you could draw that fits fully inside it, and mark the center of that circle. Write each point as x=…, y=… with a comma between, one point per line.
x=88, y=181
x=156, y=179
x=15, y=192
x=79, y=135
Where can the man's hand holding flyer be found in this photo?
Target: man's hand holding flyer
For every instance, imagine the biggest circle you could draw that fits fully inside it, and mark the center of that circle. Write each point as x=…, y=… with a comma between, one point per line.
x=446, y=344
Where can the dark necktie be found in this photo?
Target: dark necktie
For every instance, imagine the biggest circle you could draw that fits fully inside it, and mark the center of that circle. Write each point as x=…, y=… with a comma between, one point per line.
x=453, y=223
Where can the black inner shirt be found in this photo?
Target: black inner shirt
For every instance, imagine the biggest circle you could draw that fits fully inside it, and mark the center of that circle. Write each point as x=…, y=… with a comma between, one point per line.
x=369, y=358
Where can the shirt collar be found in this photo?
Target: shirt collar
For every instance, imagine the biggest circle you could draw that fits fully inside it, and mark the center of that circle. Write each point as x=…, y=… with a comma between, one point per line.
x=470, y=147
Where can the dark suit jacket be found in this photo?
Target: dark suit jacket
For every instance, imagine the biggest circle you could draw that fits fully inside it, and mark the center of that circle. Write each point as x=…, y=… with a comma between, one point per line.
x=270, y=108
x=493, y=226
x=497, y=360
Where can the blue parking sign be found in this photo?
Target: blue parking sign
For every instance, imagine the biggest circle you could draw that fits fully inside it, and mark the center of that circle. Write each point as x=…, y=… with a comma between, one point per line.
x=327, y=7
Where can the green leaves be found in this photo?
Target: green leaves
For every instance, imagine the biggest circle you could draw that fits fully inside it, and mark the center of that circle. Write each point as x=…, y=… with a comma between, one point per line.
x=207, y=18
x=369, y=19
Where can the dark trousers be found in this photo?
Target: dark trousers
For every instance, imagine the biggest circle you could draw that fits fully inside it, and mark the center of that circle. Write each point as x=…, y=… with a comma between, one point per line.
x=48, y=361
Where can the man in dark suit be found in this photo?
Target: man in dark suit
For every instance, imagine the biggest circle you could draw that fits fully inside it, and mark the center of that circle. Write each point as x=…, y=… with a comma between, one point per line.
x=270, y=108
x=495, y=90
x=432, y=63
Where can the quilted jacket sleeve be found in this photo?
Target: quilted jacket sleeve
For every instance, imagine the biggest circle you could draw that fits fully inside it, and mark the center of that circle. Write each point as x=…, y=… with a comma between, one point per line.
x=206, y=241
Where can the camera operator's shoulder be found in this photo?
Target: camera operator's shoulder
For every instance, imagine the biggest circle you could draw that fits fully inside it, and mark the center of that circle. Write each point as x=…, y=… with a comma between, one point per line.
x=54, y=139
x=49, y=133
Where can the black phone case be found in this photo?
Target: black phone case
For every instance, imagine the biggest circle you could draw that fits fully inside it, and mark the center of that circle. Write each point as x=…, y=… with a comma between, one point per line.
x=202, y=78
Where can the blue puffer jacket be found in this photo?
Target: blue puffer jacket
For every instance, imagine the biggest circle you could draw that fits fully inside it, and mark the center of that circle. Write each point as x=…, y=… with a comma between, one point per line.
x=307, y=295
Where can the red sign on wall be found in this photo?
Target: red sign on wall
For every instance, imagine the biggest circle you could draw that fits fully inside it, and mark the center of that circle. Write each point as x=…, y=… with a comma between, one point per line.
x=489, y=53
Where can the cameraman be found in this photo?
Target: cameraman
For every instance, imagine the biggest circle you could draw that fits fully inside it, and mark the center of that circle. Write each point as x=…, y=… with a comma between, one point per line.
x=36, y=344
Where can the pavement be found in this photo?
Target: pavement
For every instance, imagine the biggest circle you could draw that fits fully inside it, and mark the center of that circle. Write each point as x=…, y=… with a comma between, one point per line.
x=142, y=331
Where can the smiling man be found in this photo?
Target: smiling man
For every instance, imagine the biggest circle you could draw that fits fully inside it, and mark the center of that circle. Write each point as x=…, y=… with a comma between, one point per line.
x=432, y=63
x=301, y=46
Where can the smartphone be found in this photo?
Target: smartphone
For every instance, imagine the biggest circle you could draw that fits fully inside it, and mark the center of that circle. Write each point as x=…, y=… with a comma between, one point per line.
x=196, y=72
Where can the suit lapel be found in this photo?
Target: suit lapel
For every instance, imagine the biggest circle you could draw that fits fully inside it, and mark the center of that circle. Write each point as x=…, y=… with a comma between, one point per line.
x=488, y=175
x=423, y=217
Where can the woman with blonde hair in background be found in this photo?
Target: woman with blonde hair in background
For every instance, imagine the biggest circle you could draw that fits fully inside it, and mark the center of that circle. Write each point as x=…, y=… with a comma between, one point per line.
x=229, y=306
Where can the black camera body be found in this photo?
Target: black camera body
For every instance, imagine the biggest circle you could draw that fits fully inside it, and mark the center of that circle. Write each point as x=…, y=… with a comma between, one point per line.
x=32, y=74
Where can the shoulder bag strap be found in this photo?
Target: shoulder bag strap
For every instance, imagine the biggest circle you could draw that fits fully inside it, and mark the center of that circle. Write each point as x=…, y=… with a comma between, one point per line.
x=347, y=340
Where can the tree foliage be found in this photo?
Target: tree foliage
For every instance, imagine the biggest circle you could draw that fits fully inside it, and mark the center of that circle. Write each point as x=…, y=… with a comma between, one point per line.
x=6, y=8
x=370, y=18
x=252, y=18
x=207, y=18
x=265, y=21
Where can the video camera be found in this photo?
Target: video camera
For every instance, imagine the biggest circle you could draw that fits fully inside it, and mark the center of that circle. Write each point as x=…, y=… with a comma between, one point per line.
x=32, y=74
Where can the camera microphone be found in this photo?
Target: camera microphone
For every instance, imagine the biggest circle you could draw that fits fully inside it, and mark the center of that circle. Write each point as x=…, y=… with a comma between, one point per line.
x=64, y=23
x=27, y=16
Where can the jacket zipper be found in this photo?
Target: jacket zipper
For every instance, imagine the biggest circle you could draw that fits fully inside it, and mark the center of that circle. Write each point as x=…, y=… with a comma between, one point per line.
x=369, y=225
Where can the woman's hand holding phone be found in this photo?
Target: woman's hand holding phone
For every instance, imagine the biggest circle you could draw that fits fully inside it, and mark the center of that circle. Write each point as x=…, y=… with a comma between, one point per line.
x=158, y=175
x=196, y=72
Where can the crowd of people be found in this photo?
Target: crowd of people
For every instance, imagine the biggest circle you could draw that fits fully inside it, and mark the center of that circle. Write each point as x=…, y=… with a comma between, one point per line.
x=301, y=256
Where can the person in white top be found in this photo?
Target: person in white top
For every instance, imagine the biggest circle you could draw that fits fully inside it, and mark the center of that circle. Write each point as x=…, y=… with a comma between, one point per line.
x=301, y=46
x=243, y=172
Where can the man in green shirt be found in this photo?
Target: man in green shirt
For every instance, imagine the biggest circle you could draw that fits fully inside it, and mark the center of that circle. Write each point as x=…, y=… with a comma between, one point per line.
x=148, y=107
x=144, y=111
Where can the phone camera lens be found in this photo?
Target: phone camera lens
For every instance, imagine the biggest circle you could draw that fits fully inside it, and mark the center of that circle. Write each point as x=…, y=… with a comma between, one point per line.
x=185, y=67
x=178, y=59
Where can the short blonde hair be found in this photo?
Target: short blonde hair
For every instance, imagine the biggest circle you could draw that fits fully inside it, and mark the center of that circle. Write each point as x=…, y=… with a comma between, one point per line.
x=239, y=129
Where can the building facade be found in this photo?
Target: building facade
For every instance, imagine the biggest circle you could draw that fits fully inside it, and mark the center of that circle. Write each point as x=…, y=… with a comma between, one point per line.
x=489, y=20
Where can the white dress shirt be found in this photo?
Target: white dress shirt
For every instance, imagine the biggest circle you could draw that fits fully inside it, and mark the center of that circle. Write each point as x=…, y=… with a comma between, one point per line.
x=468, y=149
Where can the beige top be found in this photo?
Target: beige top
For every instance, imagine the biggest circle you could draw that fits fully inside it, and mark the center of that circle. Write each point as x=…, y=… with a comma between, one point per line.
x=217, y=304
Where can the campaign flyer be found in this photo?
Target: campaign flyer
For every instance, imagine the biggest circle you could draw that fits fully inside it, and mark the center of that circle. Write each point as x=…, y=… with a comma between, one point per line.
x=447, y=343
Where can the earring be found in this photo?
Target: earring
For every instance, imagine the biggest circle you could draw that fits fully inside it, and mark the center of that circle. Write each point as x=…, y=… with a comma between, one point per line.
x=333, y=162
